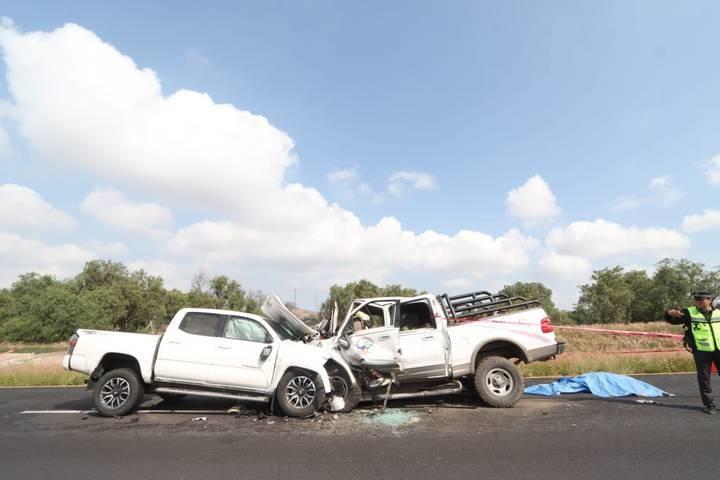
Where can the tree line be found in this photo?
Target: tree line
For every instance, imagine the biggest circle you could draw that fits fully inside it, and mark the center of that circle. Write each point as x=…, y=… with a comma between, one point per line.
x=106, y=295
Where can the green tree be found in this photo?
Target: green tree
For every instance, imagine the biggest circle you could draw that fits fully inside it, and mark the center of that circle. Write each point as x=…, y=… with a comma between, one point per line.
x=606, y=300
x=537, y=291
x=675, y=279
x=43, y=309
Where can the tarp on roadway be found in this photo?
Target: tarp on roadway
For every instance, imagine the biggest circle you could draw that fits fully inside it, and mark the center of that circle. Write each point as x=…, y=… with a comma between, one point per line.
x=601, y=384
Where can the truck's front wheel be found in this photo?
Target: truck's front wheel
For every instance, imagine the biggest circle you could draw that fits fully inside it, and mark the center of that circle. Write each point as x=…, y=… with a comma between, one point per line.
x=343, y=387
x=499, y=382
x=118, y=392
x=300, y=394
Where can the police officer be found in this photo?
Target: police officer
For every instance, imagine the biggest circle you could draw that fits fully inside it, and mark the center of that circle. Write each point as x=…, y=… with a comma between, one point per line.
x=702, y=327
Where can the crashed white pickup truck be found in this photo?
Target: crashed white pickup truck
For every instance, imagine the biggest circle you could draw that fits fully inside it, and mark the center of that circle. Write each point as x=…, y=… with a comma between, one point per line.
x=207, y=352
x=400, y=347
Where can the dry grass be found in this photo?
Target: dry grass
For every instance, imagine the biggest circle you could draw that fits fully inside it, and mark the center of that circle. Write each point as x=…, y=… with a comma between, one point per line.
x=598, y=352
x=42, y=375
x=578, y=341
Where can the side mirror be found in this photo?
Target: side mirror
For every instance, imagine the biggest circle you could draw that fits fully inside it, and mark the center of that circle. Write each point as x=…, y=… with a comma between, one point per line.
x=265, y=352
x=344, y=342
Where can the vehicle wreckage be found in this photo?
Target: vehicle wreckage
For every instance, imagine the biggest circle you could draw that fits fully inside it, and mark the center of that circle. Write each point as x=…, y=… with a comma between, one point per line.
x=384, y=348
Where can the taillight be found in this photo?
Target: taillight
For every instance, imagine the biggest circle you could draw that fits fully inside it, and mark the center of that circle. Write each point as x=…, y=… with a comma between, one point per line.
x=546, y=325
x=73, y=342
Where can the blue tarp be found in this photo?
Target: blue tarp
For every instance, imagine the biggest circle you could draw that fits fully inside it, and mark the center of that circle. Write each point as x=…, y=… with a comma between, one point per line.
x=601, y=384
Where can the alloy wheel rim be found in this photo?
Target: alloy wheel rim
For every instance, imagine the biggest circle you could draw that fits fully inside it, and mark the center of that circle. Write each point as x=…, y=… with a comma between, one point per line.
x=300, y=392
x=115, y=393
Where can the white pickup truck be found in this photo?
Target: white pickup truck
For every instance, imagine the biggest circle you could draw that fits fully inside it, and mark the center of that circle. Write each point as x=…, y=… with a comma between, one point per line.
x=400, y=347
x=207, y=352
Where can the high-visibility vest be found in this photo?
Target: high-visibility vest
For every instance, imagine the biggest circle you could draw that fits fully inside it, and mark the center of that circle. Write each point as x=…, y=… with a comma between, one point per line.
x=706, y=333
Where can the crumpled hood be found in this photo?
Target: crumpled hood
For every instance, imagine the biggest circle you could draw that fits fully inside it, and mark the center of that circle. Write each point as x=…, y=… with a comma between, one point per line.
x=276, y=310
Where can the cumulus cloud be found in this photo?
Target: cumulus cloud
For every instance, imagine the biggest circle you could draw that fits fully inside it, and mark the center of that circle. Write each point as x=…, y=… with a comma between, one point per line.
x=20, y=255
x=532, y=202
x=401, y=181
x=384, y=247
x=707, y=220
x=104, y=115
x=564, y=266
x=23, y=209
x=112, y=208
x=602, y=239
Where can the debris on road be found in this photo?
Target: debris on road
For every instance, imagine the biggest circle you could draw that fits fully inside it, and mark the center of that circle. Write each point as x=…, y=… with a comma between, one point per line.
x=392, y=418
x=199, y=419
x=648, y=402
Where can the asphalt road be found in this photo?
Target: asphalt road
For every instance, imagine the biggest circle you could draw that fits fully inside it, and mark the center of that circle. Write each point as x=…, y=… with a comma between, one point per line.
x=576, y=436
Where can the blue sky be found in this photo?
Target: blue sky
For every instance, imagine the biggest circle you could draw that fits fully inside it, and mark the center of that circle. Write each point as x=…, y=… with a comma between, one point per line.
x=476, y=98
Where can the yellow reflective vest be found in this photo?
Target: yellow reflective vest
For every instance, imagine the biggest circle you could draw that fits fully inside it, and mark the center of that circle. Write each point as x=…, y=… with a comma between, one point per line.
x=705, y=332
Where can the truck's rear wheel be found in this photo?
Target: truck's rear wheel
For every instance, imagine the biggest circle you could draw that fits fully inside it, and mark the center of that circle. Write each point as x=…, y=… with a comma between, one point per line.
x=498, y=382
x=300, y=394
x=118, y=392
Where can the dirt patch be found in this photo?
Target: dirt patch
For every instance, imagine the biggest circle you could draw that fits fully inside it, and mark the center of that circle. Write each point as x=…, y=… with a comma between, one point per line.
x=42, y=360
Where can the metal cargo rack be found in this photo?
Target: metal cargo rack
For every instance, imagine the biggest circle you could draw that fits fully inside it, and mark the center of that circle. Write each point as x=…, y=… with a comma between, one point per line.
x=475, y=305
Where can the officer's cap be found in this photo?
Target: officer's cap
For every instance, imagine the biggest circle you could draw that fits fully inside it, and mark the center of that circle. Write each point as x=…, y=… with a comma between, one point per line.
x=702, y=294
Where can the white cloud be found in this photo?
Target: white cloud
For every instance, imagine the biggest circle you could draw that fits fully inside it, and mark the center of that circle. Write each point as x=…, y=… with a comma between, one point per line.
x=23, y=209
x=602, y=239
x=712, y=170
x=343, y=175
x=400, y=181
x=112, y=208
x=384, y=247
x=565, y=266
x=107, y=250
x=532, y=202
x=708, y=220
x=103, y=115
x=20, y=255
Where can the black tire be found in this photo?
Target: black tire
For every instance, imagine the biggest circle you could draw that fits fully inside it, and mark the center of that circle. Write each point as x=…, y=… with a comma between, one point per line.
x=498, y=382
x=170, y=397
x=343, y=387
x=118, y=392
x=300, y=394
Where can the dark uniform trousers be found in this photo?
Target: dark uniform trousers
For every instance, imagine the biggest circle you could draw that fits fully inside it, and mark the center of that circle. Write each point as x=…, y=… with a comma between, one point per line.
x=703, y=364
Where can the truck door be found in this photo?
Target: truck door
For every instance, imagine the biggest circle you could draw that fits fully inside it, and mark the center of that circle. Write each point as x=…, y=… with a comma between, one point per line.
x=422, y=342
x=244, y=357
x=187, y=353
x=372, y=339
